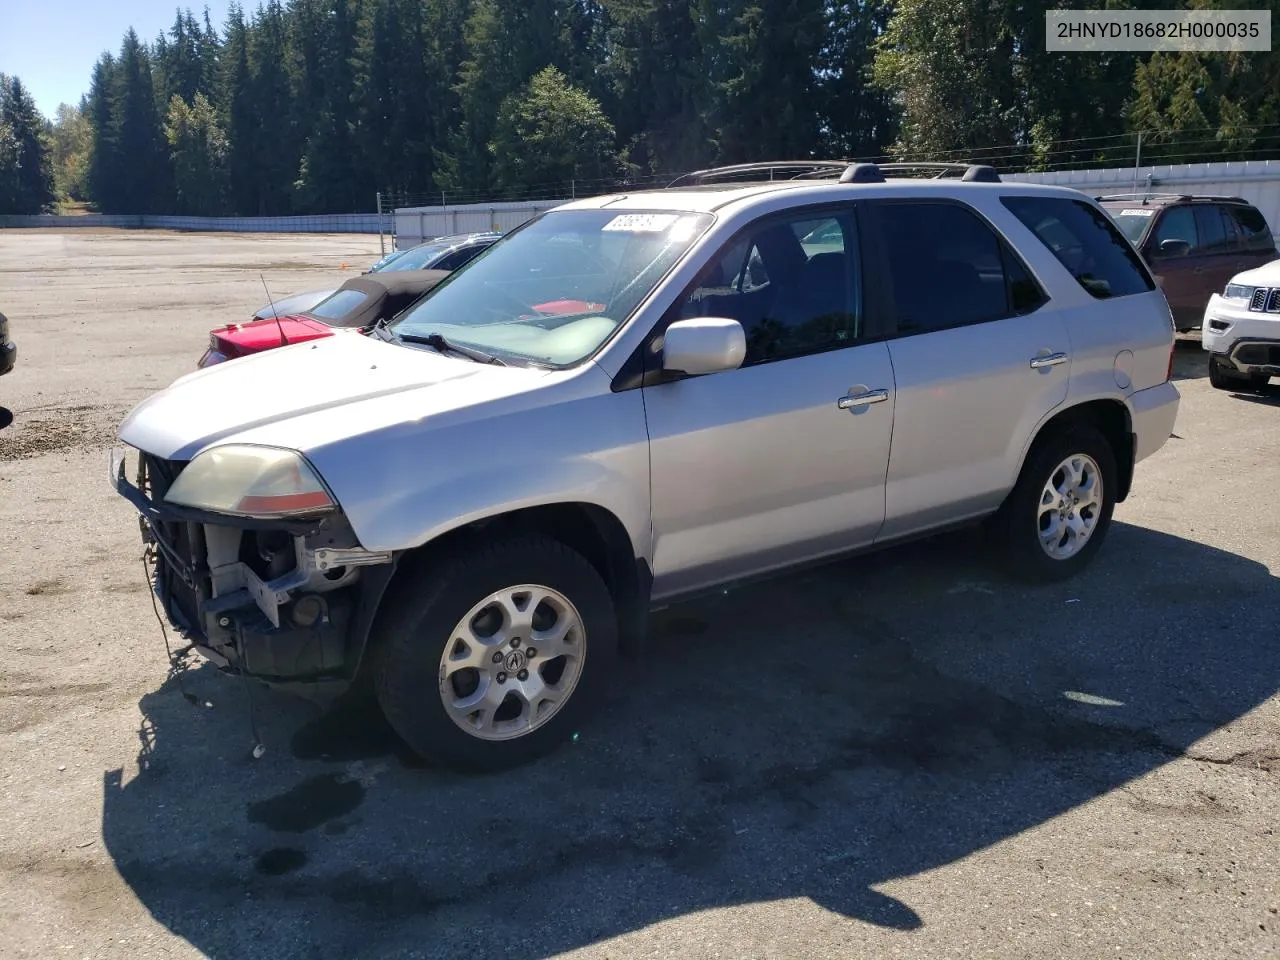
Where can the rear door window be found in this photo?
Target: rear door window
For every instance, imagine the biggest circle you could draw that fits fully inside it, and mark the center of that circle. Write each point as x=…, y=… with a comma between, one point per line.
x=948, y=268
x=1086, y=242
x=1217, y=235
x=1253, y=228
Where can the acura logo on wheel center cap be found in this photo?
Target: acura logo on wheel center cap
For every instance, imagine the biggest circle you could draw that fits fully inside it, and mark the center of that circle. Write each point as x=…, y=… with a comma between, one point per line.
x=515, y=661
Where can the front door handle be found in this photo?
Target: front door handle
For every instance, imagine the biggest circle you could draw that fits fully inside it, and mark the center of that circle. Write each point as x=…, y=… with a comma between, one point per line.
x=854, y=401
x=1052, y=360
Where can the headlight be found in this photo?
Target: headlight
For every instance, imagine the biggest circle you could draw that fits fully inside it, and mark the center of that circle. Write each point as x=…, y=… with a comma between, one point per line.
x=251, y=481
x=1238, y=292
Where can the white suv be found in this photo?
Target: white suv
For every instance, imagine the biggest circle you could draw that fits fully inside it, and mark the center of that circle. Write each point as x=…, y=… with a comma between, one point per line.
x=1241, y=330
x=476, y=505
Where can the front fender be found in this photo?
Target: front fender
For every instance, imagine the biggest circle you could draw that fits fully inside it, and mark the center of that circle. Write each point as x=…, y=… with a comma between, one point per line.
x=402, y=489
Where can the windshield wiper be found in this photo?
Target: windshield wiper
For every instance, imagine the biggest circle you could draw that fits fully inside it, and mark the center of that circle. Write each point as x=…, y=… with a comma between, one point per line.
x=438, y=341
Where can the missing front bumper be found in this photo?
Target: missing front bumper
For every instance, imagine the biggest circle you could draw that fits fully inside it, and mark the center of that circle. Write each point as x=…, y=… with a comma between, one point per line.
x=295, y=619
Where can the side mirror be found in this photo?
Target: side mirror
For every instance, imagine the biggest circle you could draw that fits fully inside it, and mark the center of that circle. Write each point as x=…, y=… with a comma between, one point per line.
x=703, y=345
x=1174, y=248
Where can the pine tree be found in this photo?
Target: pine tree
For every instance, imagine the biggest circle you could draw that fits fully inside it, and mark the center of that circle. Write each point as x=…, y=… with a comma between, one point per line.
x=274, y=142
x=550, y=133
x=141, y=173
x=236, y=107
x=1198, y=106
x=198, y=149
x=857, y=118
x=765, y=99
x=72, y=147
x=104, y=154
x=324, y=44
x=658, y=75
x=26, y=154
x=507, y=42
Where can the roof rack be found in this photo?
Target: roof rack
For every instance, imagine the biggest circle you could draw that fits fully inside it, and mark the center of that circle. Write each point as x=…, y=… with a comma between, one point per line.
x=798, y=169
x=1147, y=197
x=846, y=171
x=968, y=172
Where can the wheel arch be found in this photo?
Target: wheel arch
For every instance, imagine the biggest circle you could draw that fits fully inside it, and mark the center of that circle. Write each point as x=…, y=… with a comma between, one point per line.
x=1111, y=418
x=590, y=529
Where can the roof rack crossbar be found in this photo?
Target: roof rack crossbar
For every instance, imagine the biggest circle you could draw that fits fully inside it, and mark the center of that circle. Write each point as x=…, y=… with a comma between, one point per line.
x=969, y=172
x=799, y=169
x=1144, y=197
x=848, y=171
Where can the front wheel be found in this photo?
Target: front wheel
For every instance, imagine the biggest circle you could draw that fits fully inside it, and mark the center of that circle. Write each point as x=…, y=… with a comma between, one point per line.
x=495, y=657
x=1059, y=512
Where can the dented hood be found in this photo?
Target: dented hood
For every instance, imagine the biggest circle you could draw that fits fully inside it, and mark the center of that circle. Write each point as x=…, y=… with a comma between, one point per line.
x=310, y=395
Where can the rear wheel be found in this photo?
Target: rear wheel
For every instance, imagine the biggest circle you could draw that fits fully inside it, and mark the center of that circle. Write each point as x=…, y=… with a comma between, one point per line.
x=496, y=658
x=1059, y=512
x=1224, y=377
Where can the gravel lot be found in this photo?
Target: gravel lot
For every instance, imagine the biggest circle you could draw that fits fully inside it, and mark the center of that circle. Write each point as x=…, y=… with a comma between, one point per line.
x=897, y=756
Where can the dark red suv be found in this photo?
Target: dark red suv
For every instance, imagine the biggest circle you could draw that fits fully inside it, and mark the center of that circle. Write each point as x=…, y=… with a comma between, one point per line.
x=1193, y=244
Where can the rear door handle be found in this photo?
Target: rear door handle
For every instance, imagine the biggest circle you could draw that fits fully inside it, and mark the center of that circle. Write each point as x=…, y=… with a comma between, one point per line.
x=1052, y=360
x=854, y=401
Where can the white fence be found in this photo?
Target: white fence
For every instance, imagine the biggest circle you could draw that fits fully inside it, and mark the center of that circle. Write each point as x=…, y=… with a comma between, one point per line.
x=415, y=224
x=1257, y=181
x=321, y=223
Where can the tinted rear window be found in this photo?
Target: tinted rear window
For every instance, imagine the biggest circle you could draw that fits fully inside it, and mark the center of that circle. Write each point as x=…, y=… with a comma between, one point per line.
x=338, y=305
x=1253, y=228
x=1086, y=242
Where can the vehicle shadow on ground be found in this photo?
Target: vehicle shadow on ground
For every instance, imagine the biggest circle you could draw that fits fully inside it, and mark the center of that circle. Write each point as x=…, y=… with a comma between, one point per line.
x=6, y=417
x=815, y=736
x=1190, y=362
x=1268, y=397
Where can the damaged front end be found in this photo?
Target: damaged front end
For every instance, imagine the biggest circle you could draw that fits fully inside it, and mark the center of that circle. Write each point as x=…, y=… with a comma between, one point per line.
x=288, y=600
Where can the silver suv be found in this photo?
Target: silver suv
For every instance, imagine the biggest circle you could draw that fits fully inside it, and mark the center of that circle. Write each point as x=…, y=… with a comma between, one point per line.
x=638, y=397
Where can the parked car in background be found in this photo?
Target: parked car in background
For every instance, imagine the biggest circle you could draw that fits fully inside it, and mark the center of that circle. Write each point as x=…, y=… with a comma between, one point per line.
x=8, y=349
x=355, y=306
x=1193, y=244
x=1241, y=330
x=476, y=506
x=443, y=253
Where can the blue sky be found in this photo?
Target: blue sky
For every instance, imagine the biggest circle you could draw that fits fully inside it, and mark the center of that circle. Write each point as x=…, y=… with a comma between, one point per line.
x=52, y=44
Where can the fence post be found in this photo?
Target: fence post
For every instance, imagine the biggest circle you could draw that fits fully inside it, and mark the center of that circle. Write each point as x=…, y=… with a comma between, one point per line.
x=382, y=249
x=1137, y=162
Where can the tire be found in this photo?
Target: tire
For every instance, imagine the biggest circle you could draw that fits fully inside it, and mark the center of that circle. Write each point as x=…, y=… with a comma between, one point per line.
x=1225, y=378
x=435, y=612
x=1018, y=524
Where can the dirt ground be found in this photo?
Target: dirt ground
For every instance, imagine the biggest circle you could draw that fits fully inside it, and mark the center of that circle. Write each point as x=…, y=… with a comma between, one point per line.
x=897, y=756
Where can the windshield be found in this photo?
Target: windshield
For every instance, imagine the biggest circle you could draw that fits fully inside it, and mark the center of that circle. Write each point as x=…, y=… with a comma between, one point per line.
x=1132, y=221
x=415, y=258
x=556, y=289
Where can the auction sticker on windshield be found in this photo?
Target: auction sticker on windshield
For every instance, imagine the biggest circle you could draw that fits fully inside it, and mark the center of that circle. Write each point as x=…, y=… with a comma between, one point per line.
x=641, y=222
x=1137, y=213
